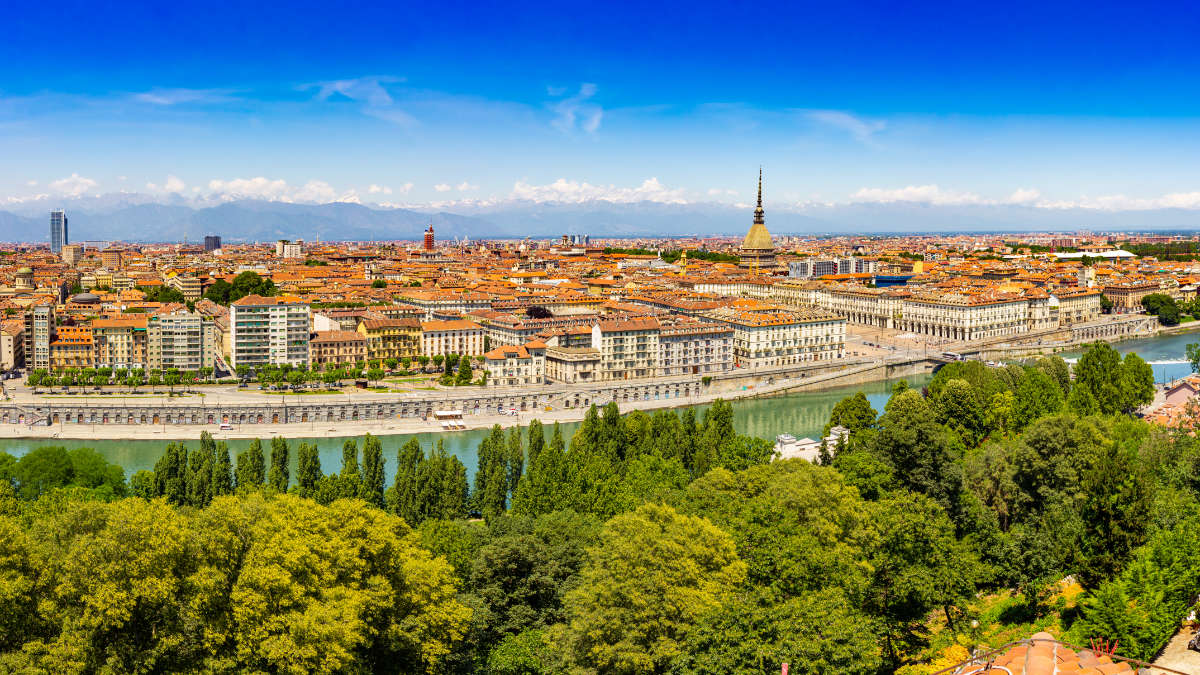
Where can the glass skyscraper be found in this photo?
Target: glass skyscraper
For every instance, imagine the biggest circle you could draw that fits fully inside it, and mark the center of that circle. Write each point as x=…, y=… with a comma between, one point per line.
x=58, y=231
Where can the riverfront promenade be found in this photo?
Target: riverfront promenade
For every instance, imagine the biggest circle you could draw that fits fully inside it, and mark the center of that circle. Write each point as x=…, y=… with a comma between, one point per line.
x=255, y=414
x=158, y=417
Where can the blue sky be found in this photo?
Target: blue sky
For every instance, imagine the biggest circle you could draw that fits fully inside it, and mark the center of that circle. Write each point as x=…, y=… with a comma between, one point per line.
x=1074, y=104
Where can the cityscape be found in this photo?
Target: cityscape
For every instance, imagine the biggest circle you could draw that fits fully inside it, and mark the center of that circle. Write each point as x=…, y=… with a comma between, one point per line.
x=688, y=339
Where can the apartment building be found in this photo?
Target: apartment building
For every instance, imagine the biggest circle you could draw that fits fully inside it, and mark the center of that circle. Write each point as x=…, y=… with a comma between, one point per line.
x=512, y=365
x=12, y=344
x=182, y=340
x=336, y=347
x=628, y=348
x=270, y=331
x=189, y=286
x=455, y=336
x=391, y=338
x=1077, y=305
x=572, y=365
x=72, y=347
x=766, y=338
x=39, y=331
x=962, y=316
x=120, y=342
x=694, y=347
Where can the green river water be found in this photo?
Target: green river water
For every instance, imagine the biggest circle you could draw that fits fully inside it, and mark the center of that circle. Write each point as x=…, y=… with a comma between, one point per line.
x=801, y=414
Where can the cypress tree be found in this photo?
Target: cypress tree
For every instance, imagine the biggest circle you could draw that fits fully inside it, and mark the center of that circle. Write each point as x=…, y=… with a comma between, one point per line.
x=405, y=499
x=170, y=474
x=349, y=481
x=537, y=440
x=687, y=438
x=251, y=466
x=200, y=471
x=515, y=461
x=451, y=502
x=278, y=477
x=543, y=487
x=372, y=471
x=222, y=478
x=308, y=470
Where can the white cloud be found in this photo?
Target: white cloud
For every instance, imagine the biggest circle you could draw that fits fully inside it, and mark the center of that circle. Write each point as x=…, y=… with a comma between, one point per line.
x=924, y=194
x=861, y=129
x=158, y=96
x=1024, y=196
x=314, y=191
x=172, y=185
x=31, y=183
x=379, y=189
x=464, y=186
x=441, y=187
x=717, y=192
x=73, y=185
x=576, y=112
x=368, y=91
x=575, y=192
x=1120, y=202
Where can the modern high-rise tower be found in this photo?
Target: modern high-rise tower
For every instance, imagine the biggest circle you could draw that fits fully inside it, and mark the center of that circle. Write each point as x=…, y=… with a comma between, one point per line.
x=58, y=231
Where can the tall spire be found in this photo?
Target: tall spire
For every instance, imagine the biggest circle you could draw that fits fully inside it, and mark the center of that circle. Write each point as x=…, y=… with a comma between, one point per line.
x=758, y=211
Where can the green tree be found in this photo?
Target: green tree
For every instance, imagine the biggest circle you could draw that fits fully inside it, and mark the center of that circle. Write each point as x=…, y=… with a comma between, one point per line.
x=917, y=448
x=1118, y=495
x=464, y=372
x=222, y=477
x=1136, y=383
x=543, y=488
x=853, y=412
x=1099, y=373
x=653, y=574
x=171, y=474
x=277, y=477
x=1037, y=396
x=918, y=567
x=402, y=496
x=372, y=471
x=819, y=633
x=308, y=470
x=251, y=466
x=349, y=482
x=957, y=406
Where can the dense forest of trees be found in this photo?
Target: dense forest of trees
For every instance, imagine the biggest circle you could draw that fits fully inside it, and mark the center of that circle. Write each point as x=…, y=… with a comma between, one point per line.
x=651, y=543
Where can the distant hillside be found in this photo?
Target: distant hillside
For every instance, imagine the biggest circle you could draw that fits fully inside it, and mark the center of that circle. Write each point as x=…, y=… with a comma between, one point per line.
x=133, y=217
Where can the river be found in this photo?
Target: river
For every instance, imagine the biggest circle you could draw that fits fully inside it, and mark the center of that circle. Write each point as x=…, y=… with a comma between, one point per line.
x=799, y=414
x=1167, y=354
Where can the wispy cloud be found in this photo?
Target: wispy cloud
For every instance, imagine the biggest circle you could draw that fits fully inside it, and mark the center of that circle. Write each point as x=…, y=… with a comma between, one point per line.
x=576, y=112
x=370, y=92
x=576, y=192
x=160, y=96
x=863, y=130
x=465, y=186
x=313, y=191
x=442, y=187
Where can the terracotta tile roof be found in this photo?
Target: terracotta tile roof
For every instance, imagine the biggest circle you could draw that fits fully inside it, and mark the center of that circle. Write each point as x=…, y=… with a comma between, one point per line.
x=1043, y=655
x=455, y=324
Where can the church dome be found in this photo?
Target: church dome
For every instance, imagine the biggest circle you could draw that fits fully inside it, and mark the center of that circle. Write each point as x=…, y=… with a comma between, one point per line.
x=85, y=298
x=25, y=270
x=758, y=238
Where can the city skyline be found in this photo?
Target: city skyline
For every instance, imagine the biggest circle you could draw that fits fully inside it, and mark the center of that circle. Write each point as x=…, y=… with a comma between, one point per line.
x=1057, y=110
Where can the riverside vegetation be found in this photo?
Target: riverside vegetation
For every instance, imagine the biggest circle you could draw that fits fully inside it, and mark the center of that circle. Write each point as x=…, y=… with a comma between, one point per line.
x=653, y=544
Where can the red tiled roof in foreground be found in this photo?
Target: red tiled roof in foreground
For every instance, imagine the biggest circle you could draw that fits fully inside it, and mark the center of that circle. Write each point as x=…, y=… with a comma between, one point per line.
x=1043, y=655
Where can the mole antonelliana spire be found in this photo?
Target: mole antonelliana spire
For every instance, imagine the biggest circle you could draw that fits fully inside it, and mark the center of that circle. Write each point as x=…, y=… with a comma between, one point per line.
x=757, y=252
